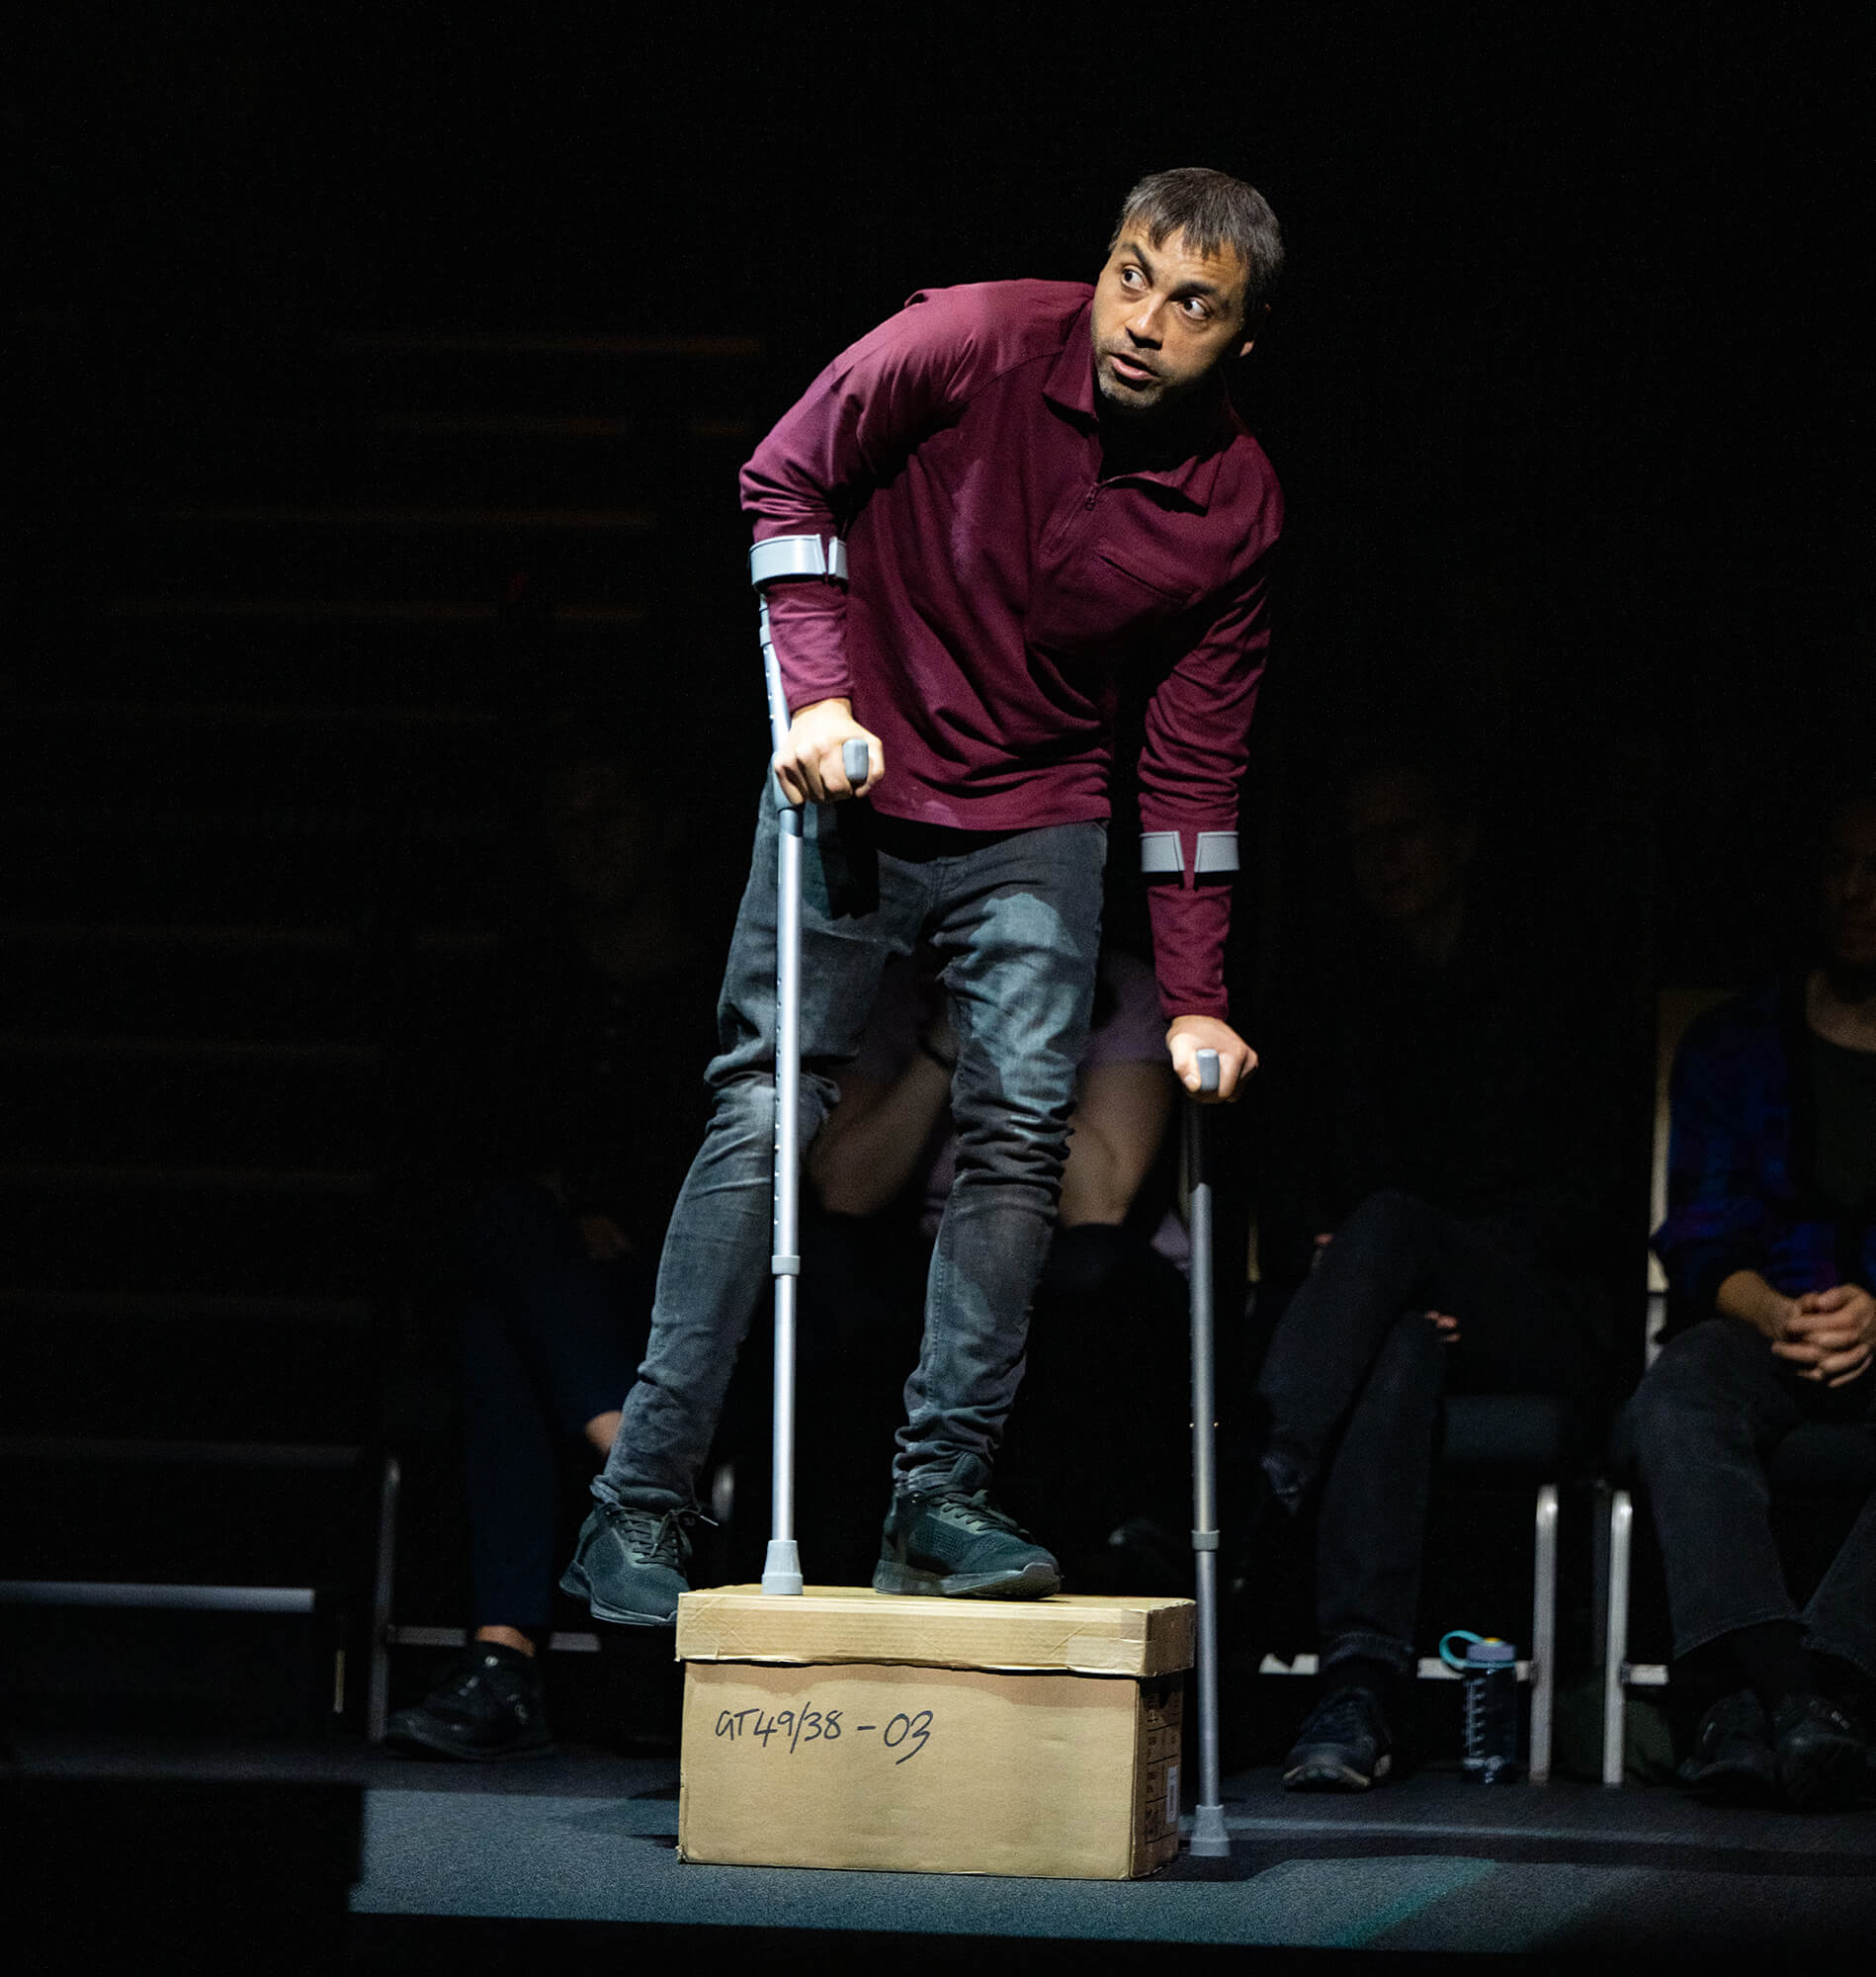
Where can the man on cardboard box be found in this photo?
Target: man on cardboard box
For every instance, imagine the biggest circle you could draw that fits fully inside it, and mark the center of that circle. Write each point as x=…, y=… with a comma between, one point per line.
x=974, y=518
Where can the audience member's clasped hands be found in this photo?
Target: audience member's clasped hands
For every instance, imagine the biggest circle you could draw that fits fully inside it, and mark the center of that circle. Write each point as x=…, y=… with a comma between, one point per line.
x=1830, y=1334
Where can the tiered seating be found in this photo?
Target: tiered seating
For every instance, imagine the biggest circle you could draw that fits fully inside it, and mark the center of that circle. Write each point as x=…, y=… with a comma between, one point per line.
x=257, y=795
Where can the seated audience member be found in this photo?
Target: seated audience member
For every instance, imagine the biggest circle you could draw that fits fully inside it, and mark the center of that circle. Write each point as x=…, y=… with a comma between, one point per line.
x=1769, y=1246
x=1107, y=1342
x=586, y=1119
x=1453, y=1203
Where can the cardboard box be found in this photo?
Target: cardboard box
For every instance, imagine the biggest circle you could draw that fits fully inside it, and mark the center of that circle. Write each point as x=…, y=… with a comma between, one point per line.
x=843, y=1729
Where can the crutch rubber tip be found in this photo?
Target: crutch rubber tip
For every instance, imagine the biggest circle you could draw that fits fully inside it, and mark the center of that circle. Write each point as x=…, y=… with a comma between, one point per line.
x=782, y=1568
x=1208, y=1070
x=854, y=760
x=1209, y=1840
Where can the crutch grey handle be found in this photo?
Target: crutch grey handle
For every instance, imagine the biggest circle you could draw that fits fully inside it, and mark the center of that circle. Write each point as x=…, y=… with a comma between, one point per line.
x=1208, y=1070
x=854, y=758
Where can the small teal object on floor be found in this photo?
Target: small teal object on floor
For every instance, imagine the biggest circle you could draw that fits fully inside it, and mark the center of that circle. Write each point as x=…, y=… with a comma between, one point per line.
x=1490, y=1672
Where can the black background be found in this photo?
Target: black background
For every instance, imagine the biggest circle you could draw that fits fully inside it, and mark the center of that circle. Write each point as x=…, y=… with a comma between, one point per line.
x=1568, y=384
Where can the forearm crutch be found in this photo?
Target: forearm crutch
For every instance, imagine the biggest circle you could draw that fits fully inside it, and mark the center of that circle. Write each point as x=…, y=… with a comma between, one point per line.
x=1209, y=1840
x=789, y=555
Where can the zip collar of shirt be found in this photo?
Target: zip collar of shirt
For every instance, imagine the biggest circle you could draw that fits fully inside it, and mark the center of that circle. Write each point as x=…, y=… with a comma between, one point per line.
x=1069, y=388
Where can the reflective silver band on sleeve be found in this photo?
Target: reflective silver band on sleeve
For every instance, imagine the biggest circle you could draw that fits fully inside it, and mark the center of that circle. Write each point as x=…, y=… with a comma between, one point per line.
x=1159, y=852
x=797, y=556
x=1217, y=851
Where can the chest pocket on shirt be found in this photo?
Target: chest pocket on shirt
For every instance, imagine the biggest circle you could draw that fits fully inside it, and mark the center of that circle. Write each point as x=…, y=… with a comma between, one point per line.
x=1102, y=601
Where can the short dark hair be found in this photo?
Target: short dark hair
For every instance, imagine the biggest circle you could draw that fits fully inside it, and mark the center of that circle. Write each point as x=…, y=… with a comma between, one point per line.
x=1217, y=214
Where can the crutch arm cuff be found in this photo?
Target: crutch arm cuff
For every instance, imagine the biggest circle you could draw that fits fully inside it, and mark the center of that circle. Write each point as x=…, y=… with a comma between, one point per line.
x=778, y=557
x=1187, y=855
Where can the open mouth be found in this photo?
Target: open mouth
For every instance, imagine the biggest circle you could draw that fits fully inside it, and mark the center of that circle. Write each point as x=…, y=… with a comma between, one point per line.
x=1130, y=372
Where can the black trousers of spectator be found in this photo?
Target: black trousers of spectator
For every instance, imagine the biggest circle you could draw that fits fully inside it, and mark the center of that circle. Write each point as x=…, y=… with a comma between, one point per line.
x=1354, y=1378
x=1100, y=1438
x=1701, y=1425
x=548, y=1341
x=860, y=1327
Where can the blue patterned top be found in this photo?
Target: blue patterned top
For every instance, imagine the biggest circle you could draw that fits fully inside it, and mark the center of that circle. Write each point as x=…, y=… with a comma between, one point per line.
x=1742, y=1189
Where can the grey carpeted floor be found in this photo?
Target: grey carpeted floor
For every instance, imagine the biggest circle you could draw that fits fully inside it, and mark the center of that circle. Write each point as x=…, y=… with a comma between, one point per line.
x=1428, y=1865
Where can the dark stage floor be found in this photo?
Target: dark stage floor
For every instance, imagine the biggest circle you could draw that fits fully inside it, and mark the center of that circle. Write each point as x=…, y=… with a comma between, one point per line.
x=580, y=1848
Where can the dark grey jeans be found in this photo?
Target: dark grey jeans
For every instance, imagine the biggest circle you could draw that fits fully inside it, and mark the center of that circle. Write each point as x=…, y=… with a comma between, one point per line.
x=1017, y=918
x=1701, y=1425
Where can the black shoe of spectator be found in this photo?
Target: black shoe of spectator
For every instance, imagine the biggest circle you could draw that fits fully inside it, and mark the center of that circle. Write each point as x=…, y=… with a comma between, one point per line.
x=1151, y=1559
x=1733, y=1757
x=1821, y=1752
x=489, y=1706
x=1343, y=1745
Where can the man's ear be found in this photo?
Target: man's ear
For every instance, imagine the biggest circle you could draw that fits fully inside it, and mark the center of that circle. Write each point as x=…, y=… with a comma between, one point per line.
x=1254, y=320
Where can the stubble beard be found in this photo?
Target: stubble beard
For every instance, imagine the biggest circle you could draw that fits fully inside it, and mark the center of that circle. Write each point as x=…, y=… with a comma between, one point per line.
x=1133, y=406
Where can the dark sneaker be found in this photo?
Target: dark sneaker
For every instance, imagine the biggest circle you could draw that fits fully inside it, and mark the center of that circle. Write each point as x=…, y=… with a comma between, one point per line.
x=1821, y=1753
x=488, y=1705
x=962, y=1548
x=1343, y=1745
x=629, y=1564
x=1733, y=1757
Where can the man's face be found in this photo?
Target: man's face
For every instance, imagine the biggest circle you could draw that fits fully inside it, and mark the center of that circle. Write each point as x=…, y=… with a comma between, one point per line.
x=1165, y=319
x=1849, y=889
x=1408, y=856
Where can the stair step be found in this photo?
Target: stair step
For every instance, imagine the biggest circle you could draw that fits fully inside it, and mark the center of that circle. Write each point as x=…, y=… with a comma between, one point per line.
x=208, y=650
x=224, y=1230
x=555, y=428
x=688, y=467
x=493, y=452
x=411, y=521
x=598, y=557
x=533, y=343
x=226, y=754
x=289, y=1370
x=228, y=981
x=168, y=1452
x=159, y=1178
x=47, y=1308
x=551, y=375
x=304, y=866
x=295, y=610
x=188, y=1102
x=188, y=1523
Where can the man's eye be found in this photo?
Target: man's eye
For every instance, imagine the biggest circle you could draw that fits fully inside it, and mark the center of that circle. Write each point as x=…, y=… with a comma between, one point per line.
x=1195, y=308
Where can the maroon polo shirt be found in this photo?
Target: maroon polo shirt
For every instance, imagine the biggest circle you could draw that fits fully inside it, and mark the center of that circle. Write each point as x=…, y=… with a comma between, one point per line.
x=998, y=582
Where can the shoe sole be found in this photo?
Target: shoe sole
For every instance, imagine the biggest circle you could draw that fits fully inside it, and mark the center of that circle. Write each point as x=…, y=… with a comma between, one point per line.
x=573, y=1585
x=1325, y=1774
x=1034, y=1582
